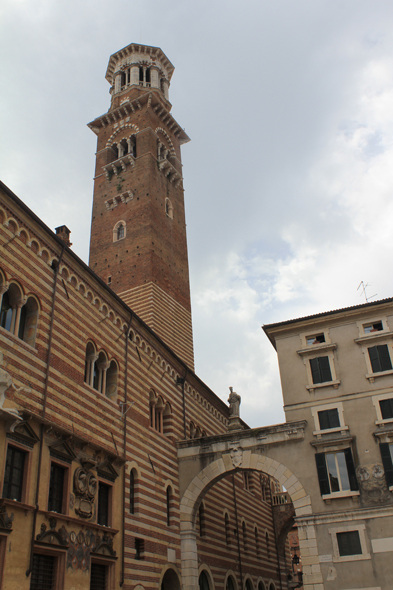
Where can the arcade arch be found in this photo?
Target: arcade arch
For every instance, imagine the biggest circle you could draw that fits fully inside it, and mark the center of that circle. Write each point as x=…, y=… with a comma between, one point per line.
x=230, y=462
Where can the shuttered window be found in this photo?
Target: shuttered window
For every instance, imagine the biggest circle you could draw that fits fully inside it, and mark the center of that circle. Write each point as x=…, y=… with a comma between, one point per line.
x=380, y=358
x=320, y=369
x=56, y=488
x=336, y=472
x=13, y=476
x=349, y=543
x=43, y=572
x=98, y=576
x=328, y=419
x=386, y=455
x=386, y=406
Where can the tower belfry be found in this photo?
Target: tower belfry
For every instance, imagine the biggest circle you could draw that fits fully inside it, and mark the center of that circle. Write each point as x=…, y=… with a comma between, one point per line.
x=138, y=240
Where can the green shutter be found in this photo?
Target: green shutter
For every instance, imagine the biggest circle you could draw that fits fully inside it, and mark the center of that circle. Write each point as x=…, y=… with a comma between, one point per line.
x=334, y=419
x=322, y=473
x=387, y=462
x=374, y=358
x=386, y=406
x=353, y=482
x=384, y=357
x=325, y=369
x=316, y=375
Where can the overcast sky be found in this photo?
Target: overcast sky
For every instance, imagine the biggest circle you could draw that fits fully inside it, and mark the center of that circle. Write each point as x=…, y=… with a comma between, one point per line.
x=289, y=174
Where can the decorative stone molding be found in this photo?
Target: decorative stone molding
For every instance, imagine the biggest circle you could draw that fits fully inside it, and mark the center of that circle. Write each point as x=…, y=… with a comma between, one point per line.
x=85, y=489
x=5, y=520
x=113, y=202
x=51, y=535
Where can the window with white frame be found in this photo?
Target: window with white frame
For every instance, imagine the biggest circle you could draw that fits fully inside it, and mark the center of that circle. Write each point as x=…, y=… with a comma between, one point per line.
x=373, y=327
x=386, y=407
x=320, y=369
x=380, y=358
x=336, y=472
x=315, y=339
x=328, y=418
x=318, y=356
x=349, y=543
x=374, y=339
x=119, y=231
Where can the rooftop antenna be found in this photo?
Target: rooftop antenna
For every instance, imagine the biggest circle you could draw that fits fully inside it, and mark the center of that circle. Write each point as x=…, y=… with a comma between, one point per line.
x=364, y=286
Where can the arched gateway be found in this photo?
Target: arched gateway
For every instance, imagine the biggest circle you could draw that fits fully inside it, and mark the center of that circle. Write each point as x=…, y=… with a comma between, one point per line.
x=204, y=462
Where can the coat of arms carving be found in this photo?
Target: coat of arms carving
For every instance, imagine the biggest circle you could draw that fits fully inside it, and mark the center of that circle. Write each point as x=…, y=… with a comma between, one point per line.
x=85, y=489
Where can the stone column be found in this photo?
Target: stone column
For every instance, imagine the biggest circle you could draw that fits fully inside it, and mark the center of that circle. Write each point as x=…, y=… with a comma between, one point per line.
x=16, y=316
x=166, y=88
x=189, y=557
x=103, y=370
x=91, y=360
x=154, y=77
x=135, y=75
x=117, y=82
x=3, y=289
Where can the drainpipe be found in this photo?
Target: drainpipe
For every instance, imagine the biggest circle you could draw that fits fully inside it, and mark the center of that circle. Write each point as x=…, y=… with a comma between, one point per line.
x=125, y=454
x=37, y=489
x=238, y=532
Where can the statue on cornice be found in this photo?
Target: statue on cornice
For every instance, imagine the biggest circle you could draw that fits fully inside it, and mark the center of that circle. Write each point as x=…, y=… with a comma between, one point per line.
x=234, y=403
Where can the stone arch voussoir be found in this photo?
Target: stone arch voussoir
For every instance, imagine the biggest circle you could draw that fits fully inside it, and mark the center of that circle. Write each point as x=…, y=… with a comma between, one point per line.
x=205, y=480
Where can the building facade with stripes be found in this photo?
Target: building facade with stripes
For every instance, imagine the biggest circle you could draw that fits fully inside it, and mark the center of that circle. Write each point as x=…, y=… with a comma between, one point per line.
x=97, y=381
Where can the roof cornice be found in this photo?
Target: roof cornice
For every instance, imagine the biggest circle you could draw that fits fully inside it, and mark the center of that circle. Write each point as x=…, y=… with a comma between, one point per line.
x=147, y=50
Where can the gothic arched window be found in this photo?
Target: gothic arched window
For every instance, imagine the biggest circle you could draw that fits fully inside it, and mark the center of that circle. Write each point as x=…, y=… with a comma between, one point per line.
x=119, y=231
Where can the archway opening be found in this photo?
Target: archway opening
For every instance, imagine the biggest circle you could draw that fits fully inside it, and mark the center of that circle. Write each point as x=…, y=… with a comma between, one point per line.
x=170, y=581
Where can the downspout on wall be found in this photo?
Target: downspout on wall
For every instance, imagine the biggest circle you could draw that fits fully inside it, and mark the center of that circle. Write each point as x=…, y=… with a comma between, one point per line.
x=44, y=401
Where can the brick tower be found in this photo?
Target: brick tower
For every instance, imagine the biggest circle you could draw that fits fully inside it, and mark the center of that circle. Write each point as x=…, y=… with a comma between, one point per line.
x=138, y=240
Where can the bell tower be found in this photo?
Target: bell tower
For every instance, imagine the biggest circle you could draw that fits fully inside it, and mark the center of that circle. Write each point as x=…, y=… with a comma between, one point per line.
x=138, y=242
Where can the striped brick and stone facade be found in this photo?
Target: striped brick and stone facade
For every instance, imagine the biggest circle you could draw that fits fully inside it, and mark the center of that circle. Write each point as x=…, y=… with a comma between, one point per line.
x=97, y=386
x=92, y=406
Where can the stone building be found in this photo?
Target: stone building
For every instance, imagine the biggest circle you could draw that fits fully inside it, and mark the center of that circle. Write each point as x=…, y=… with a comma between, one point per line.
x=337, y=377
x=97, y=382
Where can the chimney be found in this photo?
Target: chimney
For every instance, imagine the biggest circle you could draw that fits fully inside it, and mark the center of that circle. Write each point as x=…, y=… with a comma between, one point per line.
x=64, y=234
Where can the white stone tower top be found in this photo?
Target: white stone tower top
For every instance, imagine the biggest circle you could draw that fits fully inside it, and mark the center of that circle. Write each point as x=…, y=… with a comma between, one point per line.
x=139, y=65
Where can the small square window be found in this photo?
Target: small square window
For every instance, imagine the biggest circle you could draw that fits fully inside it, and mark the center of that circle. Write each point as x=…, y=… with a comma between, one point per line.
x=375, y=327
x=320, y=369
x=329, y=419
x=139, y=548
x=386, y=406
x=349, y=543
x=380, y=358
x=316, y=339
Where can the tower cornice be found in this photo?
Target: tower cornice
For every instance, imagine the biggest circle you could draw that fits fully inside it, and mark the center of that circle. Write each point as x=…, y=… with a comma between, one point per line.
x=128, y=107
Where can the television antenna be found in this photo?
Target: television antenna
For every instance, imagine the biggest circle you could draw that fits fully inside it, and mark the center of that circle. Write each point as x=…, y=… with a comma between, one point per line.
x=363, y=287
